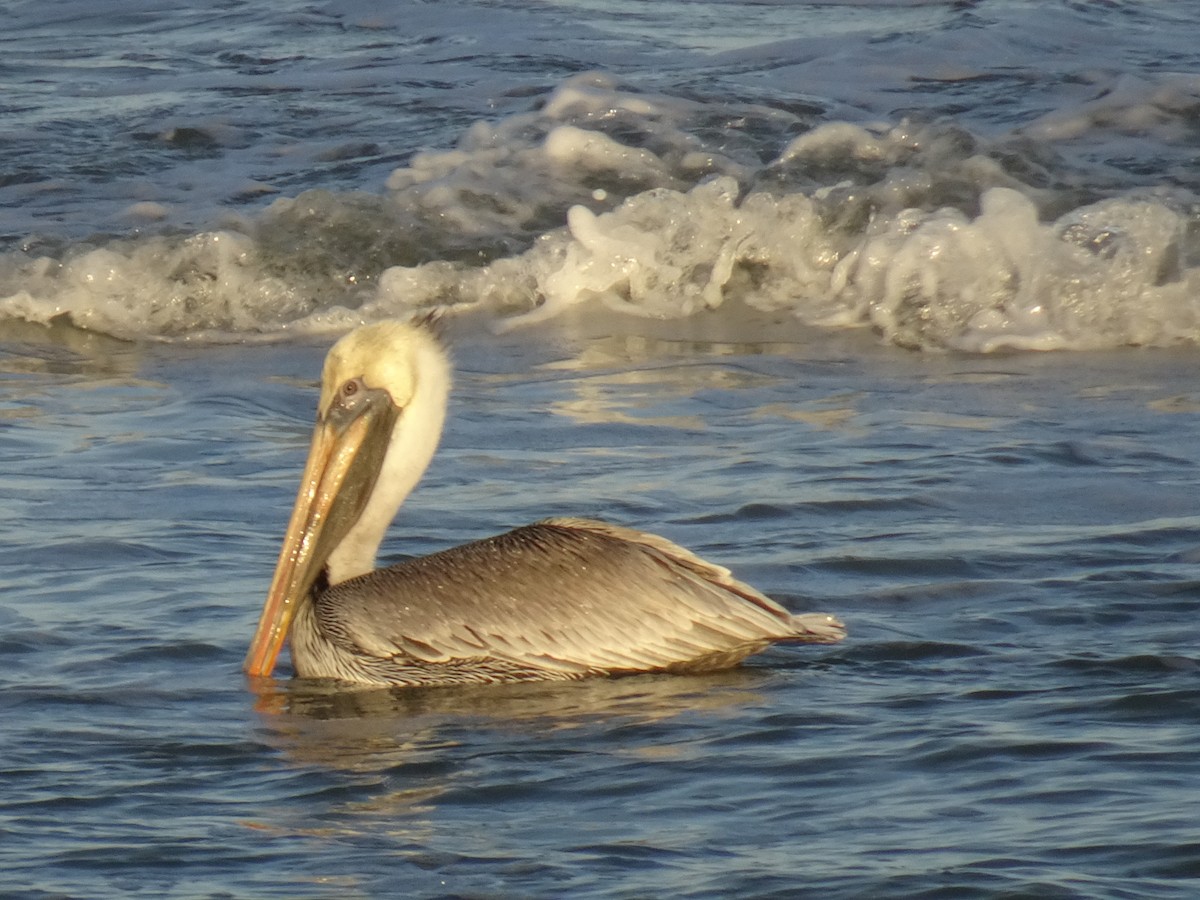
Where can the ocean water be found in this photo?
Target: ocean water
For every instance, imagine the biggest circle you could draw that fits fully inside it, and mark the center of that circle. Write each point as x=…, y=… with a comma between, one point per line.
x=892, y=307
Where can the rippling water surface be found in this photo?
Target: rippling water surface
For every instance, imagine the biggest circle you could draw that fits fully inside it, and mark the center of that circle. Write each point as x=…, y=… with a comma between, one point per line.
x=1012, y=540
x=766, y=283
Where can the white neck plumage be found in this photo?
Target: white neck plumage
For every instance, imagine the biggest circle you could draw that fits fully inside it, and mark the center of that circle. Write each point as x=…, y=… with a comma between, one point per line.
x=414, y=440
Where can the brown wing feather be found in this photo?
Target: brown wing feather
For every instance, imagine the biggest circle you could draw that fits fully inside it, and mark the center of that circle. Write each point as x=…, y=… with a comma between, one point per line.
x=566, y=597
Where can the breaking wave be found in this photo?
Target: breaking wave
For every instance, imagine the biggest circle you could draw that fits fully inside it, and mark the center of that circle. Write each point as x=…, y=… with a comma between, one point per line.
x=665, y=207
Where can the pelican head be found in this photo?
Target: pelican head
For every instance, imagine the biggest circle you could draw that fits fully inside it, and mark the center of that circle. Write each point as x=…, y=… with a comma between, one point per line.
x=384, y=390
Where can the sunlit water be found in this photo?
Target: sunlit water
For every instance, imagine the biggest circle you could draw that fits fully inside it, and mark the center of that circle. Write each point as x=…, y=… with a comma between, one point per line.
x=766, y=350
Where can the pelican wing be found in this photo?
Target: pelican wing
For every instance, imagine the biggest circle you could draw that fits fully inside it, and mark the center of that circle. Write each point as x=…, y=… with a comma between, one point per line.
x=561, y=598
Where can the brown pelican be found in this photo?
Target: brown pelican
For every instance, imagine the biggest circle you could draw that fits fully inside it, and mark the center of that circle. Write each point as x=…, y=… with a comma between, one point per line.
x=558, y=599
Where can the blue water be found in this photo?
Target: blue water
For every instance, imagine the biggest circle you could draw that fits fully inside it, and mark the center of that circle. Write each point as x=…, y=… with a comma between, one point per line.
x=194, y=201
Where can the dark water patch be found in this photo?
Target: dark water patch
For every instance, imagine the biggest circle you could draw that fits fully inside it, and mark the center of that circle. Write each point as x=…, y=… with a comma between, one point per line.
x=1136, y=664
x=197, y=652
x=1071, y=454
x=625, y=856
x=127, y=693
x=1151, y=534
x=1155, y=706
x=750, y=512
x=973, y=752
x=1178, y=861
x=958, y=883
x=939, y=593
x=100, y=555
x=910, y=651
x=20, y=642
x=995, y=694
x=950, y=567
x=900, y=503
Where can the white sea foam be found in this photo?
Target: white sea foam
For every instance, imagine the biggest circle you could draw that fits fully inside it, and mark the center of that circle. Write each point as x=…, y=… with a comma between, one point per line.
x=1107, y=274
x=930, y=235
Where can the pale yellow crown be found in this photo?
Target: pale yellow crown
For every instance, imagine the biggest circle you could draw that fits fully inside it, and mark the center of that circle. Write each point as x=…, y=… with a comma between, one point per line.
x=390, y=355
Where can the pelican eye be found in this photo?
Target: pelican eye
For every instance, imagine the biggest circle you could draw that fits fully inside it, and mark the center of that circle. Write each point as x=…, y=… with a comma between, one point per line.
x=350, y=397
